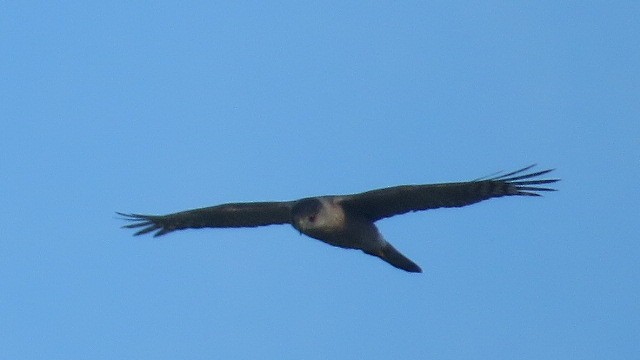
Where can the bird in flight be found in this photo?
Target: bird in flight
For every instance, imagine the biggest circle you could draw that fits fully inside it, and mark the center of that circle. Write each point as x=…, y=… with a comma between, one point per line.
x=348, y=221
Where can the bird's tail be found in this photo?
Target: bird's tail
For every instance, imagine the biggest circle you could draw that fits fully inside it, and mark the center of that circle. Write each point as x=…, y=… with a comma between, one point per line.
x=389, y=254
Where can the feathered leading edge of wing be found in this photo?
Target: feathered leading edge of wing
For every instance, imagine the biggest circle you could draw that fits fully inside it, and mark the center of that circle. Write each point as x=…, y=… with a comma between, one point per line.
x=383, y=203
x=221, y=216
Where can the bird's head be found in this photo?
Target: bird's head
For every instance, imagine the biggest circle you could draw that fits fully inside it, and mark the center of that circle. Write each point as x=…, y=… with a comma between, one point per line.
x=305, y=214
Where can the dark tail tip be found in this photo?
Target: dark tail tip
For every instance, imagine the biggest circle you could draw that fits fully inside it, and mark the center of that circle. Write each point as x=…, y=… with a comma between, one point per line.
x=395, y=258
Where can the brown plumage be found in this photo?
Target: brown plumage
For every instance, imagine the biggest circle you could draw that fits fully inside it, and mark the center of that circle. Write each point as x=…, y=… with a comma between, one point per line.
x=348, y=220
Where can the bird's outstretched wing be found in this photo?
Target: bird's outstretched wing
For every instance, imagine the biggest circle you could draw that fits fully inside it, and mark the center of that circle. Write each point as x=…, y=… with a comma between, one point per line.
x=383, y=203
x=226, y=215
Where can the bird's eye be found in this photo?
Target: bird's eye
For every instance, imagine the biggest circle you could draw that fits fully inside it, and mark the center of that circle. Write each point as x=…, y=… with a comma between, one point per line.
x=312, y=218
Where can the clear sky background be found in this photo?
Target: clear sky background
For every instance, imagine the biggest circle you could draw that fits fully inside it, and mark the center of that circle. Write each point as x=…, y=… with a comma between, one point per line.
x=156, y=107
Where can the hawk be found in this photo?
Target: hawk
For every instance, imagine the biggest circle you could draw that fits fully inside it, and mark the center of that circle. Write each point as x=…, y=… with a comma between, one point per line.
x=348, y=221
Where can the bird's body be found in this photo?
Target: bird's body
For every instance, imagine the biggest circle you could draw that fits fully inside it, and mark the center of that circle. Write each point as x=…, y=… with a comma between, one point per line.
x=348, y=221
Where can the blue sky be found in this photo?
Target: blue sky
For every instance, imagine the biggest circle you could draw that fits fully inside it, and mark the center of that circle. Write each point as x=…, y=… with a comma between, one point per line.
x=156, y=107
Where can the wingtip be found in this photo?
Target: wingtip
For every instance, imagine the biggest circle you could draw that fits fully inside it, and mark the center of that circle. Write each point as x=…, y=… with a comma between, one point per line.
x=522, y=182
x=132, y=217
x=123, y=216
x=140, y=221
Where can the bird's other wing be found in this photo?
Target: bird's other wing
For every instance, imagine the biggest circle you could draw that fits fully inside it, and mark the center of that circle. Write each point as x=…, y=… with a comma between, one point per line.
x=250, y=214
x=383, y=203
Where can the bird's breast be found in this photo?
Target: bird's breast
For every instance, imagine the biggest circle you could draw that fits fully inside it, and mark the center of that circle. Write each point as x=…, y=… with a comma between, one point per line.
x=336, y=227
x=329, y=220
